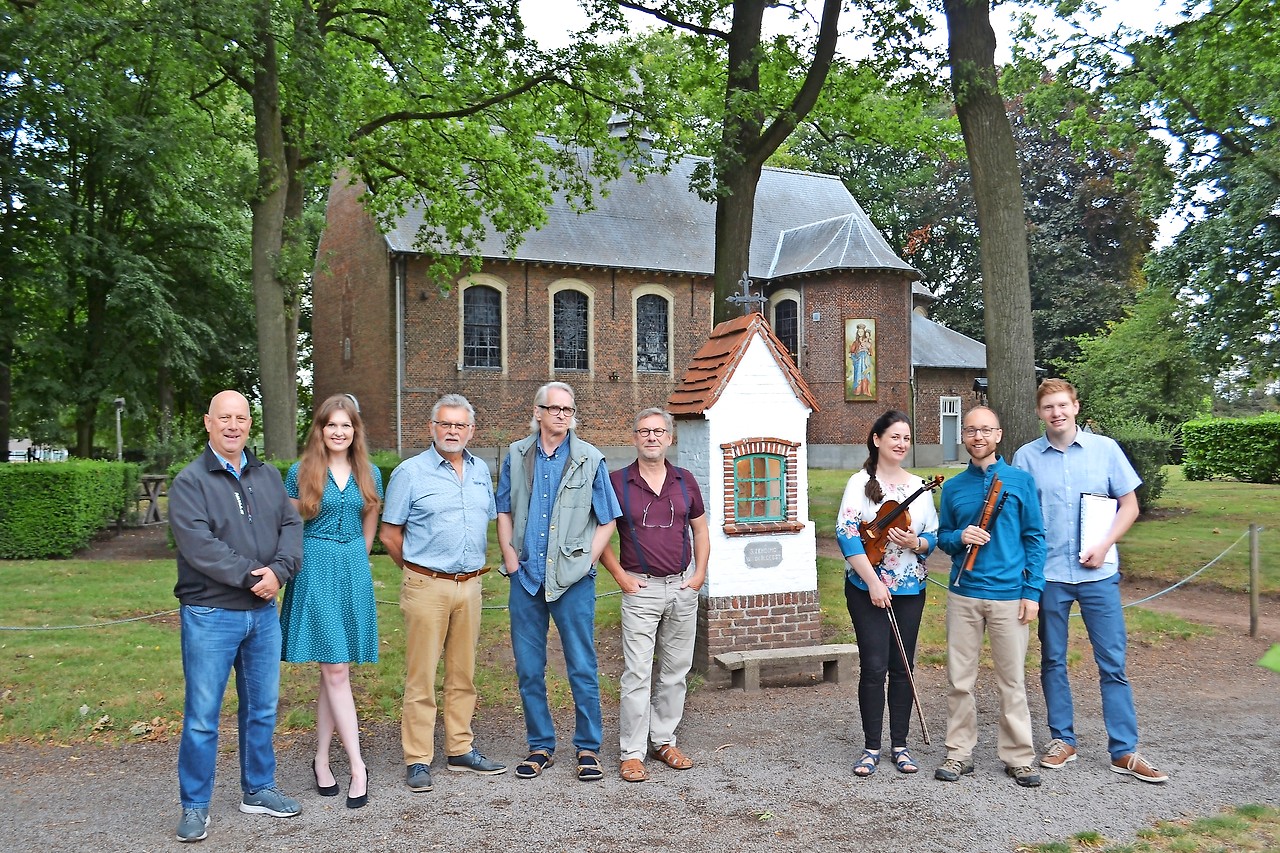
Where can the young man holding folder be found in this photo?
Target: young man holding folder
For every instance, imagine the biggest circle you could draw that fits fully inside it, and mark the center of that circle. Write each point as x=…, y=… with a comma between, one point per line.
x=1069, y=464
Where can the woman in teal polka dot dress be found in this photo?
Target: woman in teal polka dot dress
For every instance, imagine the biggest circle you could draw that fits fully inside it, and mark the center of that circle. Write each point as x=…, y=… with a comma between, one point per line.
x=329, y=614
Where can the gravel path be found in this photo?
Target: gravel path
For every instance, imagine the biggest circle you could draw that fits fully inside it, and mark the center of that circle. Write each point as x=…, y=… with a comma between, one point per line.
x=772, y=773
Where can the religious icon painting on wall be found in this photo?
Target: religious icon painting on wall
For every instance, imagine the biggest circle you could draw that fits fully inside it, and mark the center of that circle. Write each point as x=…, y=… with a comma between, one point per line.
x=860, y=360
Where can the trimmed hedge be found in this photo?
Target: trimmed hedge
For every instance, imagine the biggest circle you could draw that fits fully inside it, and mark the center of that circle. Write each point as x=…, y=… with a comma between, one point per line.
x=53, y=509
x=1246, y=449
x=1147, y=448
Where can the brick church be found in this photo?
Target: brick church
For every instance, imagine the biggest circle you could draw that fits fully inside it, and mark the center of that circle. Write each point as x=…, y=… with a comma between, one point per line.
x=616, y=301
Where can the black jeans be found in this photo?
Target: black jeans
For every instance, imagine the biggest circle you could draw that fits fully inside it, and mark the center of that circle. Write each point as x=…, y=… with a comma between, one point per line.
x=878, y=657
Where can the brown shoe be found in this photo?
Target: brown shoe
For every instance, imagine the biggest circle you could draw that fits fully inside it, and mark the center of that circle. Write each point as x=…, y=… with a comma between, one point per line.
x=1137, y=766
x=1057, y=754
x=672, y=757
x=632, y=770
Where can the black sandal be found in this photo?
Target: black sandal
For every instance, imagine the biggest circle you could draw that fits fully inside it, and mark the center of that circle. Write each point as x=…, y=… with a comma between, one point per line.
x=532, y=767
x=903, y=761
x=866, y=763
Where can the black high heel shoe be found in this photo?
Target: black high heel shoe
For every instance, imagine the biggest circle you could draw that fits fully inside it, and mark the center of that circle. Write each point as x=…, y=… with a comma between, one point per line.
x=360, y=801
x=323, y=790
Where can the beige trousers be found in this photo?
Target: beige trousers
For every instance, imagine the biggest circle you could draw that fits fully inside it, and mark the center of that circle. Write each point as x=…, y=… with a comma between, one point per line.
x=967, y=620
x=441, y=617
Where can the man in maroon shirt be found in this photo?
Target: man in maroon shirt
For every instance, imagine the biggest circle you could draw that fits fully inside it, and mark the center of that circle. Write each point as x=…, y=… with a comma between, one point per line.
x=664, y=545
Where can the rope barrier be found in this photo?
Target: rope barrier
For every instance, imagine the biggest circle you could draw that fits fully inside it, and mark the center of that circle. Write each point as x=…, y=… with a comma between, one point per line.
x=93, y=625
x=1167, y=589
x=599, y=596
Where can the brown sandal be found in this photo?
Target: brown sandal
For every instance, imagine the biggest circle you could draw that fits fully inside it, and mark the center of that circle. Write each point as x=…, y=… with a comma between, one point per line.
x=632, y=770
x=672, y=757
x=532, y=767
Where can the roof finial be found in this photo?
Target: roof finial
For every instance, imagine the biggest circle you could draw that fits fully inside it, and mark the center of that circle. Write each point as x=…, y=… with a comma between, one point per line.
x=748, y=302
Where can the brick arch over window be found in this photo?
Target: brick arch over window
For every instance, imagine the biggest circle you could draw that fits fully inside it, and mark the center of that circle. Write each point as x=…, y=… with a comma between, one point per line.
x=787, y=486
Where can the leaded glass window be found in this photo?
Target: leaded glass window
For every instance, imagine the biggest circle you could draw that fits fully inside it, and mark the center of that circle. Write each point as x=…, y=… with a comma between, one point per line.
x=569, y=329
x=760, y=488
x=786, y=325
x=481, y=327
x=652, y=337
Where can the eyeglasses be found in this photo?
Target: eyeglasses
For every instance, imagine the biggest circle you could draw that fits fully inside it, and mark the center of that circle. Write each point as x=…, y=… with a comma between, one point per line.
x=449, y=426
x=558, y=411
x=671, y=516
x=985, y=432
x=656, y=432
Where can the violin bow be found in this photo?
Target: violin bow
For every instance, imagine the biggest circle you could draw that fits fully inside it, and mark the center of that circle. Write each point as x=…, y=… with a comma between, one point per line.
x=984, y=522
x=902, y=650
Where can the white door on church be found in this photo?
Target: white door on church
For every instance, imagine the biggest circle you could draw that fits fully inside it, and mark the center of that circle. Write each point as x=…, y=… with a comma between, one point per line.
x=950, y=429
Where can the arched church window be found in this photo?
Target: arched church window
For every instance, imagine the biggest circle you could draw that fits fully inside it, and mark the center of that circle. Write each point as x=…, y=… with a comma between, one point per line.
x=481, y=327
x=786, y=325
x=653, y=337
x=570, y=314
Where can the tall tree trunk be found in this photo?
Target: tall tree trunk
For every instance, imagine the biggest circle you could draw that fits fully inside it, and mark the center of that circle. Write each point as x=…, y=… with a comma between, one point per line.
x=746, y=143
x=6, y=396
x=997, y=190
x=279, y=413
x=736, y=171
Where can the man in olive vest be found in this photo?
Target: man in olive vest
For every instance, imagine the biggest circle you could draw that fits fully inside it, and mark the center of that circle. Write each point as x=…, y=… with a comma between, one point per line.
x=556, y=511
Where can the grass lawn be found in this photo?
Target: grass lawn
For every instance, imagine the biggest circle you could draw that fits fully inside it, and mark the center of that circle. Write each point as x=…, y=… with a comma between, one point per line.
x=124, y=681
x=1245, y=827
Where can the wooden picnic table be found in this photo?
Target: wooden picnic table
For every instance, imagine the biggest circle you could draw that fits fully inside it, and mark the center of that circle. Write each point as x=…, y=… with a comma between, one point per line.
x=152, y=488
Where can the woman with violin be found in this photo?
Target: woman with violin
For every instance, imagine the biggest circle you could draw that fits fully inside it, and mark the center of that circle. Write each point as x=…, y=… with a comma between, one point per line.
x=886, y=528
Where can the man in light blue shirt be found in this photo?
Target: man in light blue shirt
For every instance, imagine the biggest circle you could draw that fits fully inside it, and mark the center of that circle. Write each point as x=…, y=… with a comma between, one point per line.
x=1067, y=464
x=556, y=511
x=434, y=526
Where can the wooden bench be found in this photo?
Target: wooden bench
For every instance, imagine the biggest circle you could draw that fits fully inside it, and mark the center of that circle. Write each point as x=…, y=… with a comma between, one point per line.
x=744, y=667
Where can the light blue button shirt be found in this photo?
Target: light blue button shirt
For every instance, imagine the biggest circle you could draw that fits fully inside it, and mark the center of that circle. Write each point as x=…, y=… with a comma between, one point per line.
x=446, y=520
x=1091, y=464
x=231, y=469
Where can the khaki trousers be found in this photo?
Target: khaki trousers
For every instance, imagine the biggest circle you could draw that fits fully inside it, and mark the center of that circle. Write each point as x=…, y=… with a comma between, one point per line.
x=659, y=623
x=441, y=617
x=967, y=620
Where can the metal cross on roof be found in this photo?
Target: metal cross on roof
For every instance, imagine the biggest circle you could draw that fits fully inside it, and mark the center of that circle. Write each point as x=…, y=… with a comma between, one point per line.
x=748, y=302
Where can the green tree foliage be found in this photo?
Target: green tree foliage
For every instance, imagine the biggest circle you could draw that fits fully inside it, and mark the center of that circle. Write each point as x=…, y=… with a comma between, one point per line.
x=133, y=286
x=764, y=86
x=1142, y=367
x=1209, y=82
x=444, y=104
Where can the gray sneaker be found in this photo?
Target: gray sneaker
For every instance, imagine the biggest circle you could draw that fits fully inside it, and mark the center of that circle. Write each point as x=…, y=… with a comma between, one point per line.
x=270, y=801
x=474, y=762
x=418, y=777
x=1024, y=776
x=952, y=769
x=193, y=823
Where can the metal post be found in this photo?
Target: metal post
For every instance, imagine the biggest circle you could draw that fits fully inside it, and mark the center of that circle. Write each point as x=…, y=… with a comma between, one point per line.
x=119, y=438
x=1254, y=560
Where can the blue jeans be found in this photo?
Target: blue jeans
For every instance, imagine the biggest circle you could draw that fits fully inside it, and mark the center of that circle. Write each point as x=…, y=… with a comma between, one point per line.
x=1104, y=620
x=215, y=640
x=575, y=617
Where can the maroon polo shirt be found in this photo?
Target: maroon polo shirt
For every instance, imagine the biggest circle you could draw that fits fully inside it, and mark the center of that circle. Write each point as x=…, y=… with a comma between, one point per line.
x=659, y=521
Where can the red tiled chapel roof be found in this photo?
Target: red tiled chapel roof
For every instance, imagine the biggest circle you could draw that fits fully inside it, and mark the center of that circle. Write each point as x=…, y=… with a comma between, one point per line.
x=712, y=367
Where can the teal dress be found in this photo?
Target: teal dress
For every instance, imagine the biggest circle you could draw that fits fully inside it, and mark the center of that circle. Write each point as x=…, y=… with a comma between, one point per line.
x=329, y=614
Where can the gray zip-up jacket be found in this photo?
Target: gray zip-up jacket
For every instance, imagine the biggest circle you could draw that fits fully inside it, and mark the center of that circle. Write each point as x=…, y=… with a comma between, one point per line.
x=225, y=528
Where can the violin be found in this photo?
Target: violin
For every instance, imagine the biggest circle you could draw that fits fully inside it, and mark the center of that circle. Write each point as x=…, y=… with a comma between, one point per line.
x=874, y=533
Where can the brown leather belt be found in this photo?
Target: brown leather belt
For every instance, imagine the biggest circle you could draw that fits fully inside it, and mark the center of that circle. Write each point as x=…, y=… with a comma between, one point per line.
x=445, y=576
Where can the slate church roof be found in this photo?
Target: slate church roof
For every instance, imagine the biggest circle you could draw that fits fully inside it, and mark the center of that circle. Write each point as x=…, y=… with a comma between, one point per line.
x=804, y=222
x=934, y=345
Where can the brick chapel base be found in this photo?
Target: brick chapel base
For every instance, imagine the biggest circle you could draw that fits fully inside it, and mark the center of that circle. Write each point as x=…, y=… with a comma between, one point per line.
x=743, y=622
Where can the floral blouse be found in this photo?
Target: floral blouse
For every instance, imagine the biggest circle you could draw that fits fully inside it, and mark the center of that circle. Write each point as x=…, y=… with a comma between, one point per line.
x=902, y=571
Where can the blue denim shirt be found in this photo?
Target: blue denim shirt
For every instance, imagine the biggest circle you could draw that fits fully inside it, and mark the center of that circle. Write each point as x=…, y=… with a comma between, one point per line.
x=1091, y=464
x=547, y=471
x=446, y=520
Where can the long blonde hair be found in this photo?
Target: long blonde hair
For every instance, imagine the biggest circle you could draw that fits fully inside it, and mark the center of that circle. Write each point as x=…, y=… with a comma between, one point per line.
x=313, y=467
